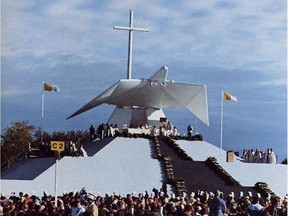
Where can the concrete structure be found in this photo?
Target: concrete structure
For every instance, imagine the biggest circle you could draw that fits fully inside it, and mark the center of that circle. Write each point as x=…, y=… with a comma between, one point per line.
x=126, y=165
x=140, y=102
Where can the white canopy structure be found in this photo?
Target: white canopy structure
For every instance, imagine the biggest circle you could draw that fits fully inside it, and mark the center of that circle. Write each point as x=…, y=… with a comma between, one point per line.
x=141, y=101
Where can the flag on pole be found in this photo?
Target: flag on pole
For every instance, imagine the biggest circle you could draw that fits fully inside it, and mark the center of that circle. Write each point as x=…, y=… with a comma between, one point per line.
x=228, y=96
x=51, y=87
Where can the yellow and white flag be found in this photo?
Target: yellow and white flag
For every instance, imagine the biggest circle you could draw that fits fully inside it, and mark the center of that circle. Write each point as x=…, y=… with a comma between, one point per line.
x=51, y=87
x=228, y=96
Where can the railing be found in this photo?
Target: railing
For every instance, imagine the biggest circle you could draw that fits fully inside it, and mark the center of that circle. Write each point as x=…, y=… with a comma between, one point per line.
x=33, y=153
x=12, y=161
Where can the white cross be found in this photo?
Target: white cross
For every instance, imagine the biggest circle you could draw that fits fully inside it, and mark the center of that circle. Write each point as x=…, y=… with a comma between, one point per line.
x=130, y=29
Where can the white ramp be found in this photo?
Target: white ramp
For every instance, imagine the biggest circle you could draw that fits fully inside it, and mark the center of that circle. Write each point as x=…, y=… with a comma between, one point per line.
x=124, y=165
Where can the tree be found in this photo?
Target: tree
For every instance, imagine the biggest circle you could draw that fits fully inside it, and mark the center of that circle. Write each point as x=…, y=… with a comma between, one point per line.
x=37, y=137
x=15, y=139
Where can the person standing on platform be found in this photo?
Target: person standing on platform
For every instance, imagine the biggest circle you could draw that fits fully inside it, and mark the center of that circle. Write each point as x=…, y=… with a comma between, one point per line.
x=116, y=130
x=272, y=157
x=175, y=132
x=169, y=128
x=111, y=131
x=92, y=133
x=189, y=131
x=154, y=131
x=83, y=152
x=101, y=131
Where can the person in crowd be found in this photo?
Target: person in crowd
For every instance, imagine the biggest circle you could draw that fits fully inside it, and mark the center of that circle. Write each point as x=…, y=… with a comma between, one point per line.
x=175, y=132
x=254, y=209
x=111, y=131
x=272, y=157
x=189, y=130
x=245, y=154
x=252, y=153
x=163, y=131
x=106, y=130
x=217, y=205
x=274, y=209
x=258, y=156
x=92, y=207
x=77, y=209
x=101, y=131
x=73, y=149
x=169, y=128
x=154, y=131
x=92, y=133
x=160, y=203
x=116, y=130
x=264, y=156
x=82, y=151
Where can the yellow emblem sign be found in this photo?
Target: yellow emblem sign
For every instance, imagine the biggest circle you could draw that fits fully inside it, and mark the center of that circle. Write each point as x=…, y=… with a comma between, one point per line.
x=57, y=145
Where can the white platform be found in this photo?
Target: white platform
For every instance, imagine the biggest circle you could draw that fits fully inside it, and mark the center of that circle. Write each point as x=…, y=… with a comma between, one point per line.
x=275, y=175
x=125, y=165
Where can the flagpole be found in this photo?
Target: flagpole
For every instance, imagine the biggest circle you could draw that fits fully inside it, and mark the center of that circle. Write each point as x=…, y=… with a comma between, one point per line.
x=55, y=180
x=42, y=112
x=221, y=121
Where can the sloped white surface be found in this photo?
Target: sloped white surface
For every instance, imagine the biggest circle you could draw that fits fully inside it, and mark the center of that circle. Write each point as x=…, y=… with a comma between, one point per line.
x=124, y=165
x=275, y=175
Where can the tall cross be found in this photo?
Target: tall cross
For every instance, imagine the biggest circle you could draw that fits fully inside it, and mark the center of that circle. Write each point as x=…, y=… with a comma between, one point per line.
x=130, y=29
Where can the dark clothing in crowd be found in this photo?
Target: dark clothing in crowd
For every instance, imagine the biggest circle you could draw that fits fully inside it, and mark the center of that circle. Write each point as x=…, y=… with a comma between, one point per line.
x=92, y=133
x=217, y=206
x=159, y=203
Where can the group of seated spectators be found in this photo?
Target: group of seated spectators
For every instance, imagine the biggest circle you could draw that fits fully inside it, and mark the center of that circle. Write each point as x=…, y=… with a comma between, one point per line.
x=158, y=202
x=258, y=156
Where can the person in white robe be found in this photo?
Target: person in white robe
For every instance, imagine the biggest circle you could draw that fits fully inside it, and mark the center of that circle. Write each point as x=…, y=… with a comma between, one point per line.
x=272, y=157
x=83, y=152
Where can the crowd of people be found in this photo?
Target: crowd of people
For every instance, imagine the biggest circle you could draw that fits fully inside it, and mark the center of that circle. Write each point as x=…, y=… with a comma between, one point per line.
x=157, y=203
x=165, y=129
x=106, y=130
x=73, y=149
x=103, y=130
x=258, y=156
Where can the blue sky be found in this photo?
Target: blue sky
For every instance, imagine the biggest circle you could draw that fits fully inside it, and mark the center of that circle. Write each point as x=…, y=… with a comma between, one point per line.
x=235, y=46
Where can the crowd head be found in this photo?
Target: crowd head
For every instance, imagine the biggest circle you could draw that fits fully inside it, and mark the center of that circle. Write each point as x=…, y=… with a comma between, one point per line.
x=200, y=203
